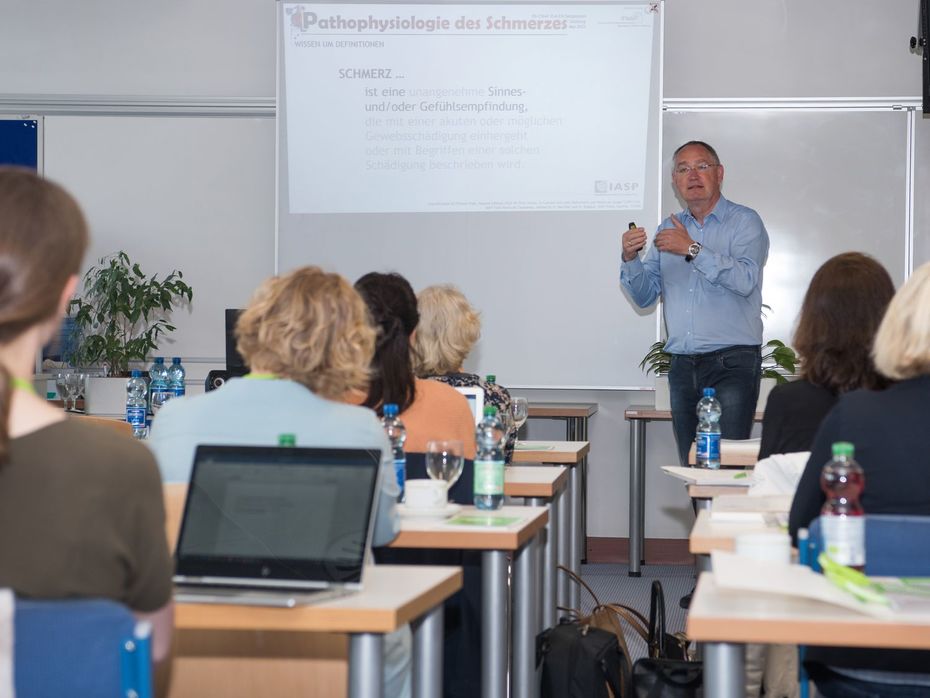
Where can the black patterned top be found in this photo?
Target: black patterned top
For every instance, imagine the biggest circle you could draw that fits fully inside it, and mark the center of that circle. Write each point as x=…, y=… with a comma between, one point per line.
x=494, y=394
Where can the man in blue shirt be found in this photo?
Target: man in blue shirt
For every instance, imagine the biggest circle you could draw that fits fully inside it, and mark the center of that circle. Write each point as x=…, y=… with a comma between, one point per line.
x=706, y=264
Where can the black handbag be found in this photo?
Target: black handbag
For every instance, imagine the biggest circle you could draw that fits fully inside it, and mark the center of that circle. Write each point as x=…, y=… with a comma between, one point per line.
x=667, y=672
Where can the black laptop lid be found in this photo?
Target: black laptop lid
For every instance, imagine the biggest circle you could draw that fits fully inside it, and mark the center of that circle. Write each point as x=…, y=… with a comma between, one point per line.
x=268, y=513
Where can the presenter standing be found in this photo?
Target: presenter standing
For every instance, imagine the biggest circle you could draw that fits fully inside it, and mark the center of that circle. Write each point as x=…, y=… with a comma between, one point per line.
x=706, y=264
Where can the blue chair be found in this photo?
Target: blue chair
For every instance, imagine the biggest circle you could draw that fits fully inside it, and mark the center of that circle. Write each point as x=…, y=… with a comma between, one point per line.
x=90, y=648
x=895, y=546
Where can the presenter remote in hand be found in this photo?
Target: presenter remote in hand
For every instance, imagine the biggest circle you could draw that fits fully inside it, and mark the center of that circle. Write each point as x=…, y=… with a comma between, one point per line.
x=706, y=263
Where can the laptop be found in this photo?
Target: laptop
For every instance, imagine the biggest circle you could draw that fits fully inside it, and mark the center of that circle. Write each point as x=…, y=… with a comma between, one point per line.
x=275, y=526
x=475, y=397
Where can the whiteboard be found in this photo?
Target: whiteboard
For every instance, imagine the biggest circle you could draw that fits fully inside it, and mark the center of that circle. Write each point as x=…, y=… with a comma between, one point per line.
x=824, y=182
x=176, y=193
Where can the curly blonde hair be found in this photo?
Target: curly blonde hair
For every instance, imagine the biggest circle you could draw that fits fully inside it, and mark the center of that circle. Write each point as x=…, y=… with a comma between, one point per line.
x=312, y=327
x=449, y=327
x=902, y=344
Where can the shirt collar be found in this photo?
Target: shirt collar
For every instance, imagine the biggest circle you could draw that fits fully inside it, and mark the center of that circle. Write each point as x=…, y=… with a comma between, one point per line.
x=719, y=211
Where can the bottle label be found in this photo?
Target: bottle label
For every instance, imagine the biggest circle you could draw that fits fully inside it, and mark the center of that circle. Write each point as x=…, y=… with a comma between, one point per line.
x=844, y=539
x=135, y=416
x=489, y=477
x=178, y=391
x=707, y=449
x=400, y=471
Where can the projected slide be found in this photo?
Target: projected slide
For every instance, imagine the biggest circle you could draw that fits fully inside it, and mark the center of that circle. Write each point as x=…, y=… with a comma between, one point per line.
x=492, y=107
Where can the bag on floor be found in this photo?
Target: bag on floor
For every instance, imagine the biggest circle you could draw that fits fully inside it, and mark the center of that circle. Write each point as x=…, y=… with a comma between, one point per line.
x=580, y=661
x=667, y=672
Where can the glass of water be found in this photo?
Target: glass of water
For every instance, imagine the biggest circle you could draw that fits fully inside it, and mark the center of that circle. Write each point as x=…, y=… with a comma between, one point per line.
x=444, y=460
x=518, y=410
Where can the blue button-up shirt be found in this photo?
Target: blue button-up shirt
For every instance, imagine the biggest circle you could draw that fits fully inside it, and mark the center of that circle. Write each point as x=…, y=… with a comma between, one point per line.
x=714, y=301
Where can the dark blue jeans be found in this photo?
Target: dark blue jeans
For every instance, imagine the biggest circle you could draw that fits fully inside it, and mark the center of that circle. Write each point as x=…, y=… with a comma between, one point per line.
x=833, y=685
x=733, y=372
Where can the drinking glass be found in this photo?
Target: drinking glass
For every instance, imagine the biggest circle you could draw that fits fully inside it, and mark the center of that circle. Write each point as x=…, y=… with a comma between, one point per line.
x=61, y=386
x=518, y=410
x=444, y=460
x=74, y=386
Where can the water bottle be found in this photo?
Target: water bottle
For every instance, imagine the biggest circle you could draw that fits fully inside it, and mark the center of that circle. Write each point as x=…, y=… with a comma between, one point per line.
x=287, y=440
x=158, y=385
x=176, y=375
x=489, y=461
x=707, y=447
x=842, y=522
x=397, y=434
x=135, y=403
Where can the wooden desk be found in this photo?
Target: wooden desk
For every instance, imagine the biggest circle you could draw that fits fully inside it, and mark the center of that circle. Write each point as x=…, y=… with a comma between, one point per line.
x=576, y=416
x=571, y=541
x=638, y=416
x=221, y=639
x=495, y=543
x=727, y=620
x=541, y=486
x=707, y=536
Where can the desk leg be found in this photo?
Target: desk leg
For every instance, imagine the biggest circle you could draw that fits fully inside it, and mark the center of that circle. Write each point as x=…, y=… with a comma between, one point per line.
x=565, y=544
x=637, y=504
x=575, y=479
x=524, y=623
x=547, y=562
x=366, y=665
x=701, y=503
x=494, y=624
x=427, y=654
x=581, y=434
x=724, y=670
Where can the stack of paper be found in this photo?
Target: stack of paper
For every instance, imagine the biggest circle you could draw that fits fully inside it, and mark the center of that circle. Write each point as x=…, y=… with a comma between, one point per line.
x=744, y=508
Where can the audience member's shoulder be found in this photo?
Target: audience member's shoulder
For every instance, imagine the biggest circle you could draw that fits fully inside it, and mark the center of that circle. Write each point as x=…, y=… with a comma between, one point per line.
x=99, y=447
x=436, y=390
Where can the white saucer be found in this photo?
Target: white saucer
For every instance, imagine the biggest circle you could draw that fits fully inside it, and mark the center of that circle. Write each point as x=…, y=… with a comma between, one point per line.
x=437, y=513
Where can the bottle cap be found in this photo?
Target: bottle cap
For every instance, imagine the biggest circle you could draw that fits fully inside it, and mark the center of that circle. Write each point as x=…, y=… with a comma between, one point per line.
x=176, y=360
x=490, y=410
x=843, y=448
x=709, y=392
x=136, y=373
x=390, y=409
x=159, y=359
x=287, y=440
x=490, y=378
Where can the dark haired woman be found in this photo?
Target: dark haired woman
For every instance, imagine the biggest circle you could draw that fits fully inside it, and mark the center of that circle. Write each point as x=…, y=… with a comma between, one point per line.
x=83, y=513
x=842, y=310
x=429, y=409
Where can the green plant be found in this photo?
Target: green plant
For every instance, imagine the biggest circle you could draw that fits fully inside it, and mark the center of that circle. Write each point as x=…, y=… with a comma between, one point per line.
x=123, y=313
x=777, y=360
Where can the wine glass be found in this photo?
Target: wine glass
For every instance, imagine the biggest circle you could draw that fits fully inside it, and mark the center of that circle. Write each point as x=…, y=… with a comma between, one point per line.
x=61, y=386
x=444, y=461
x=74, y=386
x=519, y=411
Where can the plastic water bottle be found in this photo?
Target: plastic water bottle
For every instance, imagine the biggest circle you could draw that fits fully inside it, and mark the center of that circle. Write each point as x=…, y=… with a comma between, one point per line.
x=287, y=440
x=135, y=404
x=707, y=447
x=397, y=434
x=841, y=518
x=176, y=375
x=158, y=385
x=489, y=461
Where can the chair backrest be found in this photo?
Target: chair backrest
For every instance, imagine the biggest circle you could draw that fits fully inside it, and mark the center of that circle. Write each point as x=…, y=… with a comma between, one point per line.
x=895, y=545
x=462, y=492
x=90, y=648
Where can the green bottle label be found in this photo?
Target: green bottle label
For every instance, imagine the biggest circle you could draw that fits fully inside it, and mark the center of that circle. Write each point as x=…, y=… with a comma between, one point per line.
x=489, y=477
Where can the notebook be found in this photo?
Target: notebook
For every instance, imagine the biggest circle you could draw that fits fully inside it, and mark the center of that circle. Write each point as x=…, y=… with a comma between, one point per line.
x=475, y=397
x=275, y=526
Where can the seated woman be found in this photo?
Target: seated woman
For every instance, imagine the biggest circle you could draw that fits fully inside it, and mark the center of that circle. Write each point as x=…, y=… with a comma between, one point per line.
x=888, y=429
x=82, y=504
x=842, y=309
x=307, y=339
x=448, y=329
x=428, y=409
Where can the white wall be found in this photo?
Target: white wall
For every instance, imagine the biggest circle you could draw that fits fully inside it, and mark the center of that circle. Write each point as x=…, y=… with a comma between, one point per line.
x=209, y=207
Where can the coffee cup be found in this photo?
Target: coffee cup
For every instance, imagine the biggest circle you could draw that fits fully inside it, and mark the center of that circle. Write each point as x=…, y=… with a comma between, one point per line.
x=425, y=494
x=773, y=546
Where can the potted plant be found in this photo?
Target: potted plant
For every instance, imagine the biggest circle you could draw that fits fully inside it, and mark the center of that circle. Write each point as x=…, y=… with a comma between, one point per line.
x=120, y=317
x=778, y=360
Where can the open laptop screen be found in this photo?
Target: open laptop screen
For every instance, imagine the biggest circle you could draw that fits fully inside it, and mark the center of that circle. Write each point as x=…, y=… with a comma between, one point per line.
x=278, y=513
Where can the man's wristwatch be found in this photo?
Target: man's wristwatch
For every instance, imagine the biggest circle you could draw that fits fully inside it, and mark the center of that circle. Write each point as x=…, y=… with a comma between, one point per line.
x=693, y=249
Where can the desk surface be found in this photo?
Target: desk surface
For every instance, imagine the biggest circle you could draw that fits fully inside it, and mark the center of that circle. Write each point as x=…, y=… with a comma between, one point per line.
x=392, y=597
x=716, y=615
x=650, y=413
x=534, y=481
x=562, y=410
x=708, y=535
x=564, y=452
x=432, y=533
x=711, y=491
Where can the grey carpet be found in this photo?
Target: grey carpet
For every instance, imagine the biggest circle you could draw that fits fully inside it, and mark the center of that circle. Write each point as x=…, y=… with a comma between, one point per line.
x=612, y=584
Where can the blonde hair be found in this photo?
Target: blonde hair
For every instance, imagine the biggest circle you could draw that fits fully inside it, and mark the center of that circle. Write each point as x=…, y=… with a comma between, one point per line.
x=448, y=329
x=311, y=327
x=902, y=344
